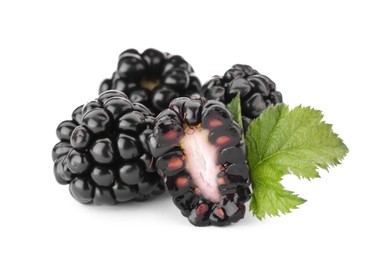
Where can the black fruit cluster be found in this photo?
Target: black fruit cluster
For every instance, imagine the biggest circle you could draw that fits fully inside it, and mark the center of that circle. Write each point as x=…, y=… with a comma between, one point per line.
x=153, y=78
x=155, y=127
x=103, y=153
x=257, y=91
x=171, y=125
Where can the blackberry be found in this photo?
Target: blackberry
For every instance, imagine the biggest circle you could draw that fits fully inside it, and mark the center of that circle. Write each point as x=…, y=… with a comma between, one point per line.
x=153, y=78
x=200, y=154
x=257, y=91
x=103, y=153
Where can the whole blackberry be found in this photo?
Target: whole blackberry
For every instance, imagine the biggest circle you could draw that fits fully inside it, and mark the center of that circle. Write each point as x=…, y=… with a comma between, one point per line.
x=103, y=153
x=257, y=91
x=153, y=78
x=201, y=156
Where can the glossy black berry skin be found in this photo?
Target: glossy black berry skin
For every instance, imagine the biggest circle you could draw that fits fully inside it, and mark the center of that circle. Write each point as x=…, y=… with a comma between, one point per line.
x=171, y=125
x=102, y=153
x=257, y=91
x=153, y=78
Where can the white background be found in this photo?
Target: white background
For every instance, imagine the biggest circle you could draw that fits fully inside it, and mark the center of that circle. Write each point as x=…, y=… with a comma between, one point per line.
x=53, y=57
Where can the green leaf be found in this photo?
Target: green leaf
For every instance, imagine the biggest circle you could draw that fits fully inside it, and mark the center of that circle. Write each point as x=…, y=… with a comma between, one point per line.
x=283, y=141
x=235, y=108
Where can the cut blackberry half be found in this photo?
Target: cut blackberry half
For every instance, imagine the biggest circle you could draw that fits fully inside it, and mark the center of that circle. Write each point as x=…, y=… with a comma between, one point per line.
x=153, y=78
x=257, y=91
x=201, y=156
x=103, y=153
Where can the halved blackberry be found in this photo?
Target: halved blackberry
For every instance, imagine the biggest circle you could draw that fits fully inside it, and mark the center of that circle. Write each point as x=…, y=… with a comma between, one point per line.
x=153, y=78
x=103, y=153
x=201, y=156
x=257, y=91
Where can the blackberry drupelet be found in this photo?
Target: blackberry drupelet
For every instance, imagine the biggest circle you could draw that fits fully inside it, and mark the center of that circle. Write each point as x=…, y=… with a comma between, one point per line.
x=257, y=91
x=201, y=156
x=103, y=153
x=153, y=78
